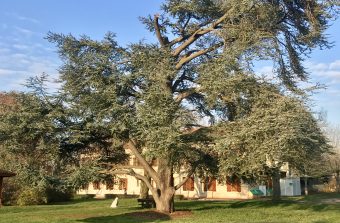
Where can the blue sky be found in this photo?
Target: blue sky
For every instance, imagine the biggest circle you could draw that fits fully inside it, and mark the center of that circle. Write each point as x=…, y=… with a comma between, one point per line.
x=24, y=52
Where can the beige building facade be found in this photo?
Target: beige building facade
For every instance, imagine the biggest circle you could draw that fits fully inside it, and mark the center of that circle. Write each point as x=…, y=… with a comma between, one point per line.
x=194, y=188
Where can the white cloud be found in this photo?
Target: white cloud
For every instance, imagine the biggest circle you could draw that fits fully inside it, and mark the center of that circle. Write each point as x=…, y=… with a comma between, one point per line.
x=24, y=31
x=7, y=72
x=324, y=70
x=335, y=65
x=21, y=46
x=23, y=18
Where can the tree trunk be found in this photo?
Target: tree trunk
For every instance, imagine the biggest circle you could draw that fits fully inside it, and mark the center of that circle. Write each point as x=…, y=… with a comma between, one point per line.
x=1, y=181
x=306, y=186
x=276, y=185
x=165, y=203
x=144, y=190
x=164, y=196
x=337, y=181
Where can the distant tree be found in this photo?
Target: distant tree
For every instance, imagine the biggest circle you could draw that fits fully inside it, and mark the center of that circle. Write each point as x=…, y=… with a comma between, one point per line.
x=151, y=98
x=333, y=159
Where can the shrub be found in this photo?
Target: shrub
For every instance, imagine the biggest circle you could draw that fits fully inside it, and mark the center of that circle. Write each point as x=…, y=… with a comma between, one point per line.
x=55, y=195
x=32, y=196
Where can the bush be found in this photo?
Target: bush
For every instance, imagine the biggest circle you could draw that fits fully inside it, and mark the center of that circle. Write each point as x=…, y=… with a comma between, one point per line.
x=54, y=195
x=32, y=196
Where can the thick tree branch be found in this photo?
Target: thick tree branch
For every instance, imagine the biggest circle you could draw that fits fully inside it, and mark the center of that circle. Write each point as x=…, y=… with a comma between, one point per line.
x=186, y=94
x=197, y=34
x=131, y=172
x=194, y=129
x=192, y=56
x=191, y=172
x=161, y=40
x=131, y=145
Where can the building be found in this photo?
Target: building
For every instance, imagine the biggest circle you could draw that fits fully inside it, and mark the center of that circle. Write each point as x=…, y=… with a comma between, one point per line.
x=195, y=187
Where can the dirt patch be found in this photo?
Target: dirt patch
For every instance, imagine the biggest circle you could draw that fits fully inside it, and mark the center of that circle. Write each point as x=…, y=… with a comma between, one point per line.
x=180, y=214
x=149, y=215
x=155, y=215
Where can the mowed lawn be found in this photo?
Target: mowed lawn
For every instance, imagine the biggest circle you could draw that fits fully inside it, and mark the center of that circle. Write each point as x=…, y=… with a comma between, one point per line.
x=322, y=208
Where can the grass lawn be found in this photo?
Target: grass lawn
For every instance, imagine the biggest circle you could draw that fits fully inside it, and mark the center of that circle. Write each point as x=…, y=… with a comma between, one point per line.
x=321, y=208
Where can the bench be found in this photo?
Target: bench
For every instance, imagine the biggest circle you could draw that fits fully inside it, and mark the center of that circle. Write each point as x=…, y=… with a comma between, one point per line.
x=146, y=202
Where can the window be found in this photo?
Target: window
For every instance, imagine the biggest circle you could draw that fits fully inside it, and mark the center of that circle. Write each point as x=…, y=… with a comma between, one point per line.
x=85, y=186
x=233, y=184
x=96, y=185
x=135, y=161
x=127, y=162
x=109, y=184
x=210, y=184
x=189, y=185
x=122, y=185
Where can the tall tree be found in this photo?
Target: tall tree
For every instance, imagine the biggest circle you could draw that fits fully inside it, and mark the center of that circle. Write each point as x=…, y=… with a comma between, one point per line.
x=152, y=97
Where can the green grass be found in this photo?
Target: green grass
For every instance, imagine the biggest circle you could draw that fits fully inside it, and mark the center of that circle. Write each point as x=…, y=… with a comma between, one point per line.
x=297, y=209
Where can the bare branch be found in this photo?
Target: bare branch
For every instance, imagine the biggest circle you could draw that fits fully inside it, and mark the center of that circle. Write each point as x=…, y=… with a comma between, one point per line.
x=186, y=94
x=131, y=172
x=158, y=31
x=197, y=34
x=191, y=172
x=131, y=145
x=193, y=129
x=194, y=54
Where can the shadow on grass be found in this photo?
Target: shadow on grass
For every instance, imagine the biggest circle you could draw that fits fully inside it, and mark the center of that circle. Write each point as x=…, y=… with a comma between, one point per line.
x=210, y=205
x=141, y=216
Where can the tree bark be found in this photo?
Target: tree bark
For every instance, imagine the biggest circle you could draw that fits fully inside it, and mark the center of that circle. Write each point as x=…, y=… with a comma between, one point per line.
x=144, y=190
x=1, y=181
x=337, y=181
x=306, y=186
x=276, y=185
x=165, y=191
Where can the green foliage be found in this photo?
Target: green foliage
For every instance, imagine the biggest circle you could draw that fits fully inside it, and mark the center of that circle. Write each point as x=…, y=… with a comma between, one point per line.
x=32, y=196
x=279, y=129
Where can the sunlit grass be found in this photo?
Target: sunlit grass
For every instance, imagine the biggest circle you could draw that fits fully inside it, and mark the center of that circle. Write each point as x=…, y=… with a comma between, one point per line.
x=298, y=209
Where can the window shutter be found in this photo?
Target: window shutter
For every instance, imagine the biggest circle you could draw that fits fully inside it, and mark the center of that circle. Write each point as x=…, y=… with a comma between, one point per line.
x=184, y=185
x=212, y=186
x=123, y=184
x=238, y=185
x=229, y=184
x=192, y=184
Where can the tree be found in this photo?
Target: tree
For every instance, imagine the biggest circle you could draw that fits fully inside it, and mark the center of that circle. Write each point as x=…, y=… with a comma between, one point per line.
x=29, y=143
x=152, y=97
x=333, y=159
x=278, y=130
